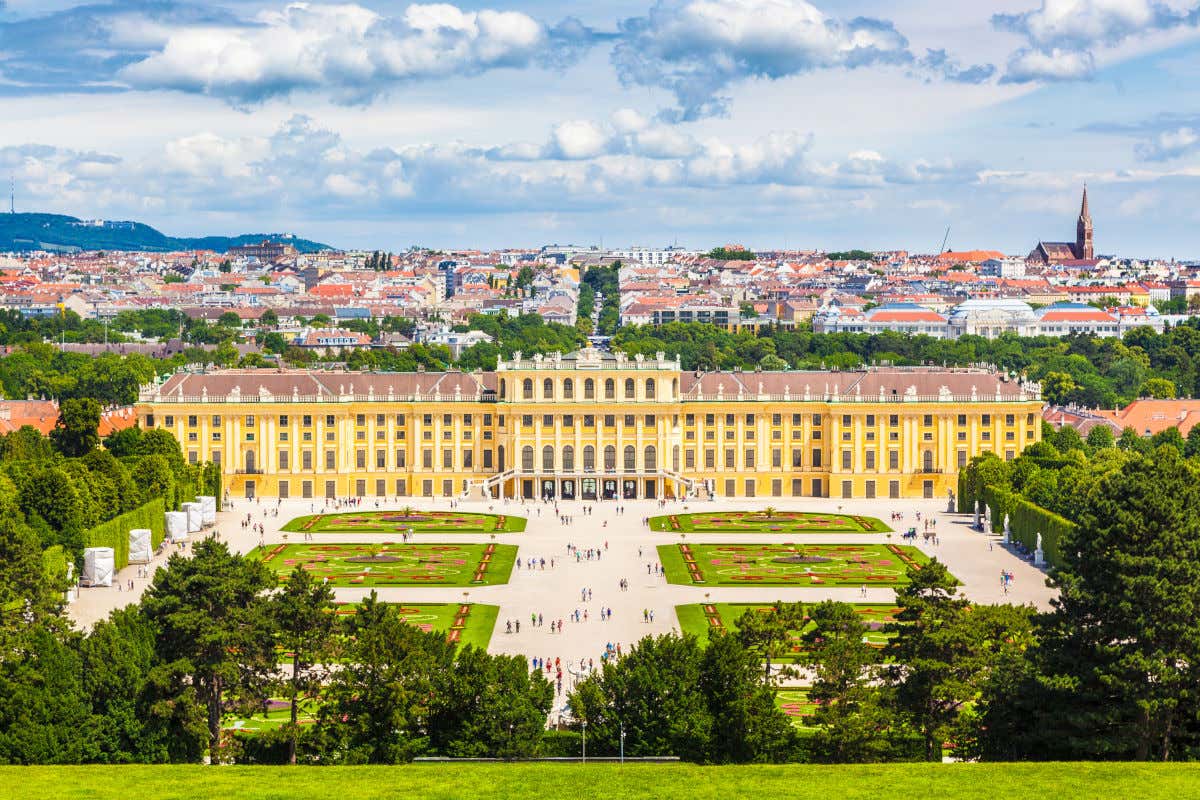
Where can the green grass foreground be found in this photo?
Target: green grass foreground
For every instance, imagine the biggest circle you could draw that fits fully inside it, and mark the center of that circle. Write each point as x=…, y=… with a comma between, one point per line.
x=628, y=782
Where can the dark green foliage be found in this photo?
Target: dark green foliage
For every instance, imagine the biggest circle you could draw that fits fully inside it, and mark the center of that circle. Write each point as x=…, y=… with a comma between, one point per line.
x=215, y=648
x=674, y=698
x=75, y=432
x=726, y=254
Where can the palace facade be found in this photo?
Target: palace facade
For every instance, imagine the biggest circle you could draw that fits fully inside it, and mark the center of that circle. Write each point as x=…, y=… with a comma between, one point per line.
x=594, y=425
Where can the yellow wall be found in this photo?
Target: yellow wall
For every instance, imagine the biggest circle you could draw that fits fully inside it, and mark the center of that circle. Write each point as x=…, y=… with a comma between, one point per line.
x=752, y=443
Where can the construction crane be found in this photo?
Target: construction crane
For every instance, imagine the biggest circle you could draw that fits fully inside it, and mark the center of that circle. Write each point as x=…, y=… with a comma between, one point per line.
x=945, y=239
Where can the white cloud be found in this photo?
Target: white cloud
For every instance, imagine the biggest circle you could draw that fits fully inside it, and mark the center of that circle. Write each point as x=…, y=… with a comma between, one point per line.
x=1055, y=65
x=347, y=49
x=698, y=48
x=1169, y=144
x=1062, y=34
x=577, y=139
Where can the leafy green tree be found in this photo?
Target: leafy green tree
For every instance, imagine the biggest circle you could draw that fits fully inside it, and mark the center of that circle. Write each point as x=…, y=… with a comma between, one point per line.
x=1100, y=437
x=1159, y=388
x=490, y=706
x=1058, y=388
x=44, y=714
x=944, y=651
x=269, y=318
x=850, y=718
x=214, y=644
x=769, y=635
x=377, y=703
x=153, y=477
x=75, y=431
x=117, y=658
x=747, y=726
x=1125, y=624
x=302, y=615
x=654, y=692
x=51, y=495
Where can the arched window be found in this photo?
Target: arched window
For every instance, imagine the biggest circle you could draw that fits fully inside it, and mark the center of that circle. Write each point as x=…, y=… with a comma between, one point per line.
x=589, y=458
x=500, y=458
x=927, y=460
x=675, y=458
x=568, y=461
x=547, y=459
x=502, y=388
x=630, y=458
x=650, y=459
x=569, y=389
x=547, y=389
x=649, y=388
x=610, y=389
x=629, y=390
x=527, y=389
x=527, y=459
x=589, y=389
x=610, y=458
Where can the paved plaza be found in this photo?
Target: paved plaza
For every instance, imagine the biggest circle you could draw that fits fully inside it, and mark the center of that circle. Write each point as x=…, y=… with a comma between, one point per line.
x=627, y=547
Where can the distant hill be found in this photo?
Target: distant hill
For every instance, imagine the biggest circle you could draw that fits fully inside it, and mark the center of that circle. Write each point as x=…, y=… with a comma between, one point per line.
x=23, y=232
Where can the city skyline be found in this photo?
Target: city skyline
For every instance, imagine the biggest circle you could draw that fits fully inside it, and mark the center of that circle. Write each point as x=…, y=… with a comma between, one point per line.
x=773, y=123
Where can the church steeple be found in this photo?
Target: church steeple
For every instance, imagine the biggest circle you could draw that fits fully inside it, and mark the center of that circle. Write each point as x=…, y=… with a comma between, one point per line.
x=1083, y=230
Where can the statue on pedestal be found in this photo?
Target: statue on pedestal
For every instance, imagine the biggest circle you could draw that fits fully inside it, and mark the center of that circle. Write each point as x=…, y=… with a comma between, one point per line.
x=1039, y=558
x=1007, y=531
x=978, y=515
x=950, y=506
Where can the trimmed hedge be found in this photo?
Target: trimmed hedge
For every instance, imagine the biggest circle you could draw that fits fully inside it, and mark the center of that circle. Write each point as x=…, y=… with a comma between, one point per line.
x=1026, y=521
x=54, y=562
x=115, y=532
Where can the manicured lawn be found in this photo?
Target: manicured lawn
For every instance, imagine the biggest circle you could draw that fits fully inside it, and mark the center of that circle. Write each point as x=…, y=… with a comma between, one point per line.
x=762, y=522
x=470, y=623
x=399, y=521
x=796, y=705
x=279, y=713
x=408, y=564
x=607, y=781
x=700, y=619
x=759, y=565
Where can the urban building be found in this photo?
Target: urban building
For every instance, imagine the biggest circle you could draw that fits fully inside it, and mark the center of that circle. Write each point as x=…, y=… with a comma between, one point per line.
x=594, y=425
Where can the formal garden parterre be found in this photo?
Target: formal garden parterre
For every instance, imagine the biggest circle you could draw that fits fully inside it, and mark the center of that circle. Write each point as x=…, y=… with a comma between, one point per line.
x=392, y=564
x=768, y=520
x=701, y=619
x=790, y=564
x=406, y=520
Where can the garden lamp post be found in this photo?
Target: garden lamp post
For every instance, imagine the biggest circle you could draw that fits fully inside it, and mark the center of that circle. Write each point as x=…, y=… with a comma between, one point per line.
x=622, y=742
x=585, y=741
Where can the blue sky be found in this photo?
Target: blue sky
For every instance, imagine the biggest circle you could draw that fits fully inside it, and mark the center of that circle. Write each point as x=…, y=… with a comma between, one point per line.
x=774, y=123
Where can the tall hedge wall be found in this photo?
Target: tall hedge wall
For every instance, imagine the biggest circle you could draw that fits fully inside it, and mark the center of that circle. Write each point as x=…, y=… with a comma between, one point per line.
x=54, y=562
x=115, y=532
x=1026, y=521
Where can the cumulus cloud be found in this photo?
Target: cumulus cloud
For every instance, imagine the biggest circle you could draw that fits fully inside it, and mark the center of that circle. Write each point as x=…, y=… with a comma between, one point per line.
x=350, y=50
x=939, y=64
x=347, y=50
x=1167, y=145
x=1061, y=35
x=696, y=49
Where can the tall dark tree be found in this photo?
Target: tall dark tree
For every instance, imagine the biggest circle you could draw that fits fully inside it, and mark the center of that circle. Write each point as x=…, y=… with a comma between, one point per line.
x=75, y=432
x=850, y=720
x=1127, y=622
x=747, y=726
x=945, y=650
x=302, y=616
x=214, y=637
x=377, y=703
x=770, y=635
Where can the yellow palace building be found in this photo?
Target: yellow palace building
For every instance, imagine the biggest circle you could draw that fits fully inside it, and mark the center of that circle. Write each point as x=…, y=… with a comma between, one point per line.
x=594, y=425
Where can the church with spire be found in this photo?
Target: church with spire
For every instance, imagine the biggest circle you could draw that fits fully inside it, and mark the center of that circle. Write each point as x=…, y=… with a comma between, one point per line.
x=1071, y=253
